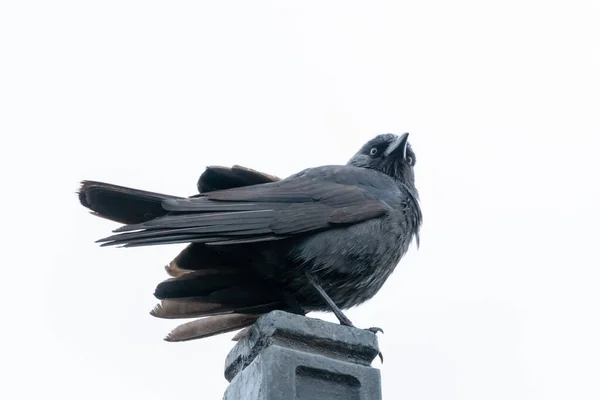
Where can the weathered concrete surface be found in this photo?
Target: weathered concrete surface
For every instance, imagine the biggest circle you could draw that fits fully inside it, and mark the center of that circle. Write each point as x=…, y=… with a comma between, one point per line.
x=290, y=357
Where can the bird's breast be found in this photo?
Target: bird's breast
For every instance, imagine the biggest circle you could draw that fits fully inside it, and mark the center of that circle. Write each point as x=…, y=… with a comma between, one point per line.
x=353, y=263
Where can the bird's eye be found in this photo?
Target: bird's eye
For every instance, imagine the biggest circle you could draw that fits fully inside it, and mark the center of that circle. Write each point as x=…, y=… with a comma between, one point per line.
x=373, y=151
x=409, y=160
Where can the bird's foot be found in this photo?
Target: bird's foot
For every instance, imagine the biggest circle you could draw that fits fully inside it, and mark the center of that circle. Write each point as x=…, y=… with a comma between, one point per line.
x=344, y=320
x=374, y=331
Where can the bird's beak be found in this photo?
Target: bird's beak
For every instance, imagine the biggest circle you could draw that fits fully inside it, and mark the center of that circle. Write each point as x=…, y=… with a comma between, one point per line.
x=398, y=147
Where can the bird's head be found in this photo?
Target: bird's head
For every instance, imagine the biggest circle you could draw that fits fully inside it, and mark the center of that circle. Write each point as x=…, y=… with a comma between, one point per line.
x=390, y=154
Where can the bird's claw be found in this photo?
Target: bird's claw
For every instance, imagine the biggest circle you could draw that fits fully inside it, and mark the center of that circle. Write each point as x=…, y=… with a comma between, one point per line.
x=374, y=330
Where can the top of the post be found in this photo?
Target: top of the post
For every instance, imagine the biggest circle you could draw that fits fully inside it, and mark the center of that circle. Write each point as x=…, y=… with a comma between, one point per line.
x=348, y=344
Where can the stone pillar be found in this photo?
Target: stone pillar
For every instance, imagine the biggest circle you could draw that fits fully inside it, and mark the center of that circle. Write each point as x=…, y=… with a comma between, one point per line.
x=291, y=357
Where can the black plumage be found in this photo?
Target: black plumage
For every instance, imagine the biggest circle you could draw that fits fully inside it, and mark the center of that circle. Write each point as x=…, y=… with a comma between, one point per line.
x=322, y=239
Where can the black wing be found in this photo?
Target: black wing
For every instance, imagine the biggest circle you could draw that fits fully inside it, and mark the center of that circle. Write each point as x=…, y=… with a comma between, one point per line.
x=221, y=178
x=133, y=206
x=307, y=202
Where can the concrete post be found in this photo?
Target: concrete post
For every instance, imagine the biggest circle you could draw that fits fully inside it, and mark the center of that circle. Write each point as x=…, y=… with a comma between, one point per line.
x=291, y=357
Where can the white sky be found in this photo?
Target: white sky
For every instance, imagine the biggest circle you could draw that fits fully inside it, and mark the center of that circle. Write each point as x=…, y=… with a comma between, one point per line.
x=502, y=102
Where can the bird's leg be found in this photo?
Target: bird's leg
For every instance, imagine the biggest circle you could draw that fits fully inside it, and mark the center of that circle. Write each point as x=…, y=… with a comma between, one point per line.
x=336, y=310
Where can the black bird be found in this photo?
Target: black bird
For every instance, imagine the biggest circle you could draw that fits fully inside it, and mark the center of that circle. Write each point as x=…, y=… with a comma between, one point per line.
x=326, y=238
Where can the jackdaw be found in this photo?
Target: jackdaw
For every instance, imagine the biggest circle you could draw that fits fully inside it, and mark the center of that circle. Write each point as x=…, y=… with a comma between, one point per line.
x=323, y=239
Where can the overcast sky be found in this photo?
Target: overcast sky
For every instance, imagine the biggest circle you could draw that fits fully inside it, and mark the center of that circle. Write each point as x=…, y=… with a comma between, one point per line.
x=502, y=102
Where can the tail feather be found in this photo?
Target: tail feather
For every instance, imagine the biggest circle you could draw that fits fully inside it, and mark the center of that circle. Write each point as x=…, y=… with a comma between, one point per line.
x=122, y=204
x=241, y=334
x=194, y=307
x=190, y=307
x=197, y=283
x=197, y=257
x=174, y=270
x=210, y=326
x=221, y=178
x=203, y=282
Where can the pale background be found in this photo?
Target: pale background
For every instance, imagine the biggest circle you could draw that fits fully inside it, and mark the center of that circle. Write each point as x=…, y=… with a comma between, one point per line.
x=501, y=99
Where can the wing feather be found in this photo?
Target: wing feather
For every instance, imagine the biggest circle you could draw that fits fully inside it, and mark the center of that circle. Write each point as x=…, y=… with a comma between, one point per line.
x=263, y=212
